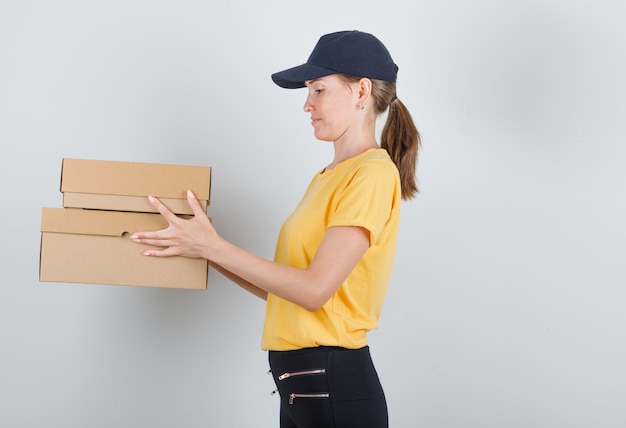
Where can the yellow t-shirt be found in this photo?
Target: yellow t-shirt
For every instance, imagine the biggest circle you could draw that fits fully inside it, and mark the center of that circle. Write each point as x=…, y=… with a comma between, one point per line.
x=361, y=191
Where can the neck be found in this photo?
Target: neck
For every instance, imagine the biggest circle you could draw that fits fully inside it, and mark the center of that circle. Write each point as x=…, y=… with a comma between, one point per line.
x=347, y=151
x=355, y=140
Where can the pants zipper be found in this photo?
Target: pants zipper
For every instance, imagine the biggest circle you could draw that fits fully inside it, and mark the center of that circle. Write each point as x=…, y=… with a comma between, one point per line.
x=302, y=373
x=293, y=396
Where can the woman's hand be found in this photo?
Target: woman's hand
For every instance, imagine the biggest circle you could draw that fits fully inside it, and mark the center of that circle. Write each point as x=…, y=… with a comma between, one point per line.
x=189, y=238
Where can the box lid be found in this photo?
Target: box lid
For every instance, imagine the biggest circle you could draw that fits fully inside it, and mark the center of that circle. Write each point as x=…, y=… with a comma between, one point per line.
x=135, y=178
x=96, y=222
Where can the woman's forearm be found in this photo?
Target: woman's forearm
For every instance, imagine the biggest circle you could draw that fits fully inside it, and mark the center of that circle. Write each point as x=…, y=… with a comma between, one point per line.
x=339, y=252
x=240, y=281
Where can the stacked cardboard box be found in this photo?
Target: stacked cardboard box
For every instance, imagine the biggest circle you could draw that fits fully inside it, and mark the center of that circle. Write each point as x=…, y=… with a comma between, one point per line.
x=104, y=202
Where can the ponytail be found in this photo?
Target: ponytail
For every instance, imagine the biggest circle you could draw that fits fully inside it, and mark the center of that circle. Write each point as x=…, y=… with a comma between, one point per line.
x=401, y=140
x=399, y=136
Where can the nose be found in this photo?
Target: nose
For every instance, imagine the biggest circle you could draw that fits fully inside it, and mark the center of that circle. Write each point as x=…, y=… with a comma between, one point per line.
x=307, y=105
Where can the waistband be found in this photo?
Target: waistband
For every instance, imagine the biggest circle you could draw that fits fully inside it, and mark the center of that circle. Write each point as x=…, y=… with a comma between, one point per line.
x=318, y=350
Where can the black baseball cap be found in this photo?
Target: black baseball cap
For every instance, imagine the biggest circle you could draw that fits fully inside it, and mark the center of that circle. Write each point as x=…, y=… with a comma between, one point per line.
x=348, y=52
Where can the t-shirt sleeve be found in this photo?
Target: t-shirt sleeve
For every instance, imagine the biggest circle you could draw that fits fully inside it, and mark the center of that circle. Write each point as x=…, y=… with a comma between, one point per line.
x=367, y=198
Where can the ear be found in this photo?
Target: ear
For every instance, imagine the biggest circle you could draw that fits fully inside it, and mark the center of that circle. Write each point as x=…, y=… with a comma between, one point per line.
x=365, y=89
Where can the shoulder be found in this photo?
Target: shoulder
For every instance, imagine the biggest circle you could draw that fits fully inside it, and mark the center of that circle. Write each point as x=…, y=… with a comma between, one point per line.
x=376, y=162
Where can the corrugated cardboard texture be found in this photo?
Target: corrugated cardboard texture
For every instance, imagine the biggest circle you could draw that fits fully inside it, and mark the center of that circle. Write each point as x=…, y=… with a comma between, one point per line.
x=125, y=186
x=94, y=247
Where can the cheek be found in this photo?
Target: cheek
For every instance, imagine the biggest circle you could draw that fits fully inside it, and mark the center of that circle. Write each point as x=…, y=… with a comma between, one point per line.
x=344, y=115
x=341, y=109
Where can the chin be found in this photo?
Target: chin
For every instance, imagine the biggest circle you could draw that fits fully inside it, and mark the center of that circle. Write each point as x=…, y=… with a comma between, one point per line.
x=322, y=137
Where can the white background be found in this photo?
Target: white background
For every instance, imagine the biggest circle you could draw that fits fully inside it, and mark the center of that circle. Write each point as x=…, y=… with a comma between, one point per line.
x=507, y=305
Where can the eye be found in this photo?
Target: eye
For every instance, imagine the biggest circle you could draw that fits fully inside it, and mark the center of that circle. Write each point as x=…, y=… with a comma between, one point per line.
x=318, y=91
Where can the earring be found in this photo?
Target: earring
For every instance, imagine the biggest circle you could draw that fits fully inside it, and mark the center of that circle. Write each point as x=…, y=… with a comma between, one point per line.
x=361, y=106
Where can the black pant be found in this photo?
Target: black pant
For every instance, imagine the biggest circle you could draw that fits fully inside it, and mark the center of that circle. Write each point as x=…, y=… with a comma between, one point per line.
x=328, y=387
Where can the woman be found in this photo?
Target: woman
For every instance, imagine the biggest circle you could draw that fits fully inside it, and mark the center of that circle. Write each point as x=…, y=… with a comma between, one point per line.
x=334, y=256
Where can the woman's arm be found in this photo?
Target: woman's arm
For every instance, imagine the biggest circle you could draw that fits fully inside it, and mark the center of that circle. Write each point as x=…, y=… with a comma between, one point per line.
x=340, y=250
x=240, y=282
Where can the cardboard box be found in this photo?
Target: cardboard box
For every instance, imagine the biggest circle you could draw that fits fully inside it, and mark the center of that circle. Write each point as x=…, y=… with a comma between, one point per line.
x=125, y=186
x=94, y=247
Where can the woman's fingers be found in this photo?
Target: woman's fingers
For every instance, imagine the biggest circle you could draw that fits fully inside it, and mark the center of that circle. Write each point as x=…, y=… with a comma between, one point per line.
x=167, y=252
x=198, y=212
x=165, y=212
x=195, y=205
x=159, y=237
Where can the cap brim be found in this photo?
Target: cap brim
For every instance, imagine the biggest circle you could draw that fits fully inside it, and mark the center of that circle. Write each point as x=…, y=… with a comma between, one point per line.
x=295, y=77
